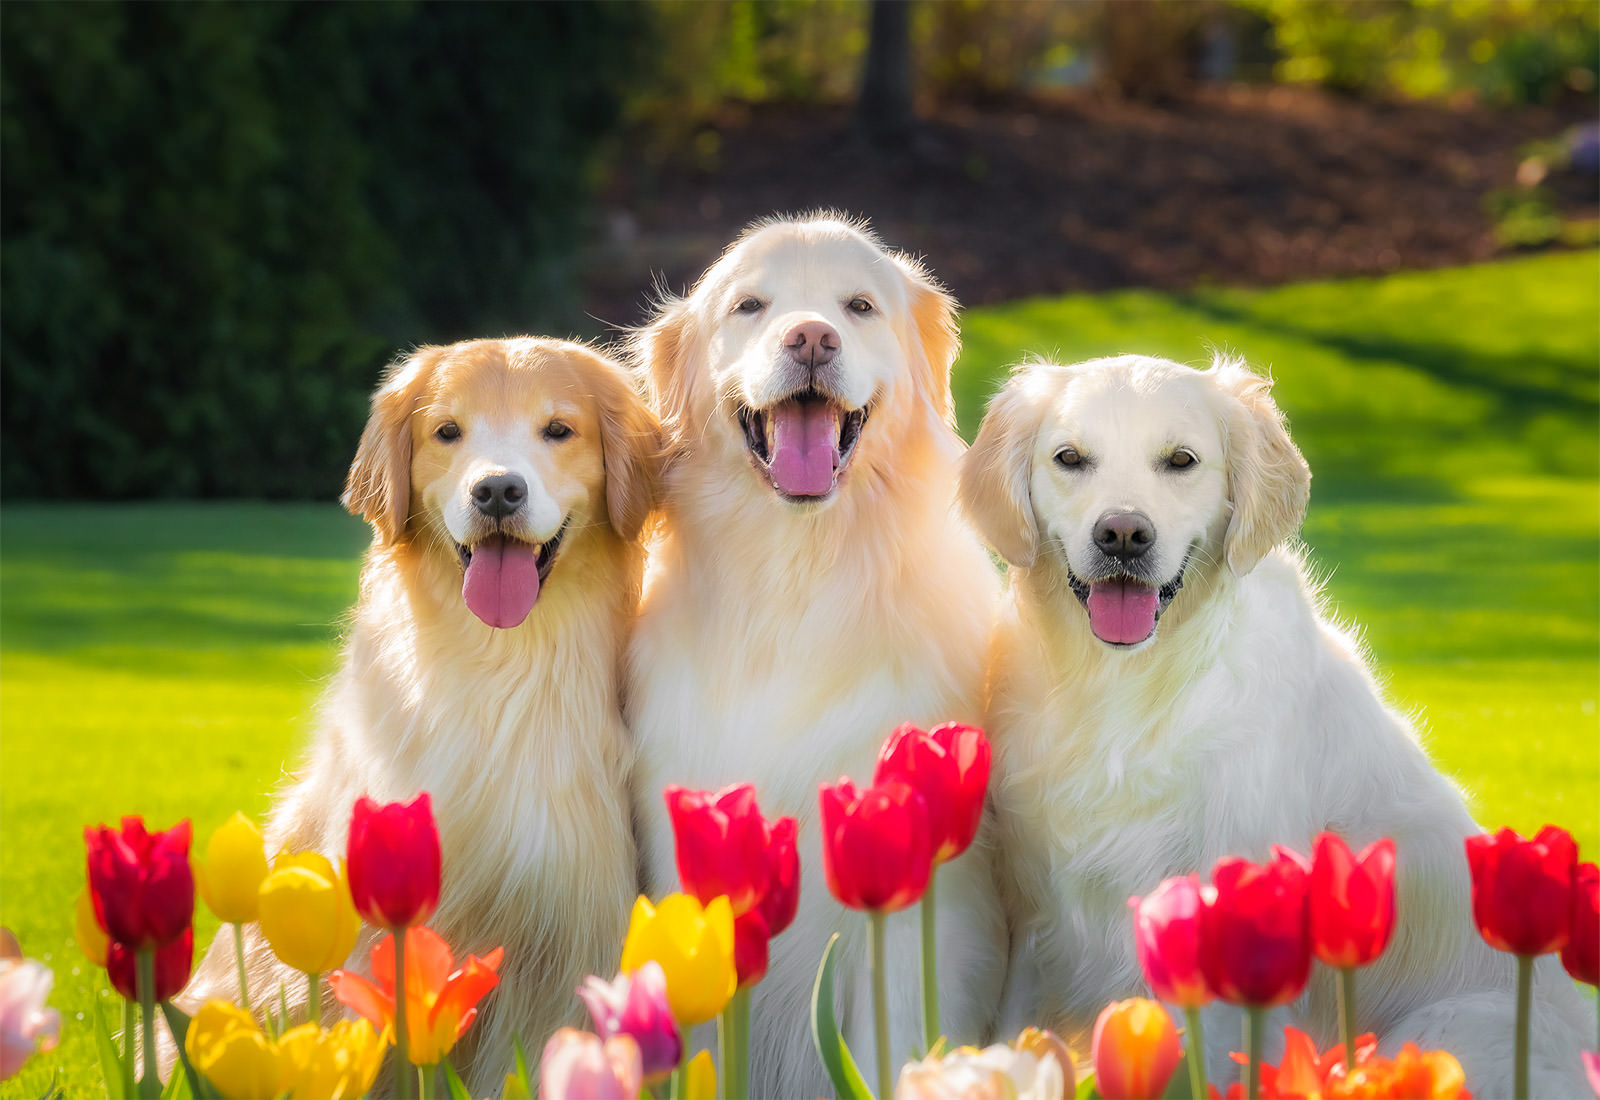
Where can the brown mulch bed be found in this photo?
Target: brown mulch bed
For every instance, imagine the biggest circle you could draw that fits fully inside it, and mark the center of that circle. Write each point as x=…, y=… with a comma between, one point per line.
x=1236, y=185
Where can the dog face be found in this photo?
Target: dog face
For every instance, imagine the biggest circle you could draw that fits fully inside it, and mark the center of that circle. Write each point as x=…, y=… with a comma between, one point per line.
x=492, y=452
x=794, y=348
x=1124, y=474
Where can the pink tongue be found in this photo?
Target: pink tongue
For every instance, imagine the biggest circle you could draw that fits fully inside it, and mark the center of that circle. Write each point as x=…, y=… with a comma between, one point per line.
x=502, y=582
x=1122, y=611
x=805, y=448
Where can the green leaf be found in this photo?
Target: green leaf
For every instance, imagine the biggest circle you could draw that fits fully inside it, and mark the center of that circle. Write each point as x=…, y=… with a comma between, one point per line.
x=178, y=1022
x=177, y=1088
x=110, y=1057
x=1086, y=1089
x=523, y=1077
x=835, y=1055
x=458, y=1090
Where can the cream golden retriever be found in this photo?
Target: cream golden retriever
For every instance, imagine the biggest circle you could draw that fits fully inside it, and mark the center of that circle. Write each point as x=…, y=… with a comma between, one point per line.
x=1167, y=690
x=506, y=482
x=812, y=589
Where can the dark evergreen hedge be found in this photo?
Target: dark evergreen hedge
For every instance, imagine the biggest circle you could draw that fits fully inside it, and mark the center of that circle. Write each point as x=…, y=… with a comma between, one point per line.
x=220, y=220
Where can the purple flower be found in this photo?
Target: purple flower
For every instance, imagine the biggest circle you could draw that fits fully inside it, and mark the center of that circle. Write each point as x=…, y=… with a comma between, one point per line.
x=636, y=1005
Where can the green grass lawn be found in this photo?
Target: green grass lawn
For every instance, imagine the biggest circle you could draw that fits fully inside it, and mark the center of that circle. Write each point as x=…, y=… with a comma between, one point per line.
x=166, y=659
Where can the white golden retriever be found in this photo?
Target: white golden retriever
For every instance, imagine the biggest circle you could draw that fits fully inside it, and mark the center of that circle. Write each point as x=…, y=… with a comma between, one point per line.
x=1166, y=690
x=813, y=588
x=506, y=482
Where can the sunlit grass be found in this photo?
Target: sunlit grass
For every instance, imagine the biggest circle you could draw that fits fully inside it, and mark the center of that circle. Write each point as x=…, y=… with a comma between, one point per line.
x=166, y=659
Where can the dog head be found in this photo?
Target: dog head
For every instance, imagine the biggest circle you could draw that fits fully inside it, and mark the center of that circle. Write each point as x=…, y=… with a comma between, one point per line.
x=798, y=354
x=495, y=454
x=1122, y=475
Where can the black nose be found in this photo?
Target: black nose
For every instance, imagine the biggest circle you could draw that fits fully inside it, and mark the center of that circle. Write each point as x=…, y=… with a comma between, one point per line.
x=1124, y=535
x=500, y=494
x=813, y=343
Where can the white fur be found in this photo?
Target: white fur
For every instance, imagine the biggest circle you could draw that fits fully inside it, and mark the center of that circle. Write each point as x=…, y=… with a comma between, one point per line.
x=780, y=643
x=1246, y=719
x=516, y=733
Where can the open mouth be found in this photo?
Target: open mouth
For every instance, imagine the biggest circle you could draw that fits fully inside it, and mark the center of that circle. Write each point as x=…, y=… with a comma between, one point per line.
x=1123, y=609
x=804, y=443
x=502, y=576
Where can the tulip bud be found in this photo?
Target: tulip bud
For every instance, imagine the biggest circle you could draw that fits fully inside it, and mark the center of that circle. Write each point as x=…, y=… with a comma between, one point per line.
x=750, y=948
x=306, y=913
x=876, y=853
x=340, y=1061
x=1135, y=1050
x=393, y=861
x=225, y=1045
x=1352, y=901
x=173, y=964
x=1581, y=956
x=636, y=1005
x=26, y=1022
x=949, y=767
x=694, y=946
x=782, y=899
x=1167, y=939
x=141, y=883
x=721, y=843
x=230, y=879
x=1255, y=940
x=579, y=1066
x=1522, y=889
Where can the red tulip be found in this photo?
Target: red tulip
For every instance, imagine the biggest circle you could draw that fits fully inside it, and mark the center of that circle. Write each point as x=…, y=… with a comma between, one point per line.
x=949, y=767
x=1167, y=938
x=1581, y=956
x=721, y=844
x=750, y=938
x=393, y=861
x=1255, y=943
x=1522, y=889
x=1352, y=901
x=173, y=963
x=141, y=883
x=782, y=899
x=875, y=848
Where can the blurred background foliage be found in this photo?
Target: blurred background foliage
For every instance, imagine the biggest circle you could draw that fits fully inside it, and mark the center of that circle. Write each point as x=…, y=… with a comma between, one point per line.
x=220, y=220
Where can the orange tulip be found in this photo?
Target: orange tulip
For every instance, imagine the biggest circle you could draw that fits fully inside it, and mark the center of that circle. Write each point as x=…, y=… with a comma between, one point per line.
x=441, y=1001
x=1135, y=1050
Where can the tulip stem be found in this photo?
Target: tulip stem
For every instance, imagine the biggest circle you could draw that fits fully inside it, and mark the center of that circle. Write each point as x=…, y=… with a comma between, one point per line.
x=1254, y=1034
x=678, y=1083
x=314, y=998
x=880, y=1001
x=1524, y=1011
x=238, y=957
x=150, y=1082
x=930, y=962
x=130, y=1026
x=733, y=1045
x=402, y=1076
x=1347, y=1016
x=1196, y=1052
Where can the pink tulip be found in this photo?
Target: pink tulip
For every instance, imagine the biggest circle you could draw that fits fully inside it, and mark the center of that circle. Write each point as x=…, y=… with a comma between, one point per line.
x=26, y=1023
x=636, y=1005
x=1167, y=937
x=579, y=1066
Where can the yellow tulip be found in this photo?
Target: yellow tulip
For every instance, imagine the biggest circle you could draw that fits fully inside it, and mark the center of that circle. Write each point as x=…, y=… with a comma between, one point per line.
x=92, y=939
x=230, y=878
x=694, y=946
x=700, y=1082
x=306, y=913
x=333, y=1064
x=225, y=1044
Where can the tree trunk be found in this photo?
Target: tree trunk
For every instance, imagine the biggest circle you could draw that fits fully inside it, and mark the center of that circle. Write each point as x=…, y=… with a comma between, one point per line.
x=883, y=110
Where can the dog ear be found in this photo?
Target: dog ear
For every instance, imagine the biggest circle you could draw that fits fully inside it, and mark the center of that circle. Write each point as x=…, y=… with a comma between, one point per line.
x=933, y=324
x=378, y=487
x=1269, y=482
x=661, y=352
x=631, y=447
x=997, y=470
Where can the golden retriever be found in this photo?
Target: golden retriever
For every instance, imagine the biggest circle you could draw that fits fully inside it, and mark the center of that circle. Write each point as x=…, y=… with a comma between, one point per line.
x=812, y=589
x=1166, y=689
x=506, y=482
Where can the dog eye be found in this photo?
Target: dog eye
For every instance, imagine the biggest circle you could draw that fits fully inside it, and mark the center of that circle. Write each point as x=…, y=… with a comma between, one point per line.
x=1181, y=459
x=750, y=305
x=859, y=305
x=556, y=430
x=1069, y=458
x=448, y=432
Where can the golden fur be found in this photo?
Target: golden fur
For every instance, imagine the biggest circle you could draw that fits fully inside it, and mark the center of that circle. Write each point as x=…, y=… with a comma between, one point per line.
x=516, y=732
